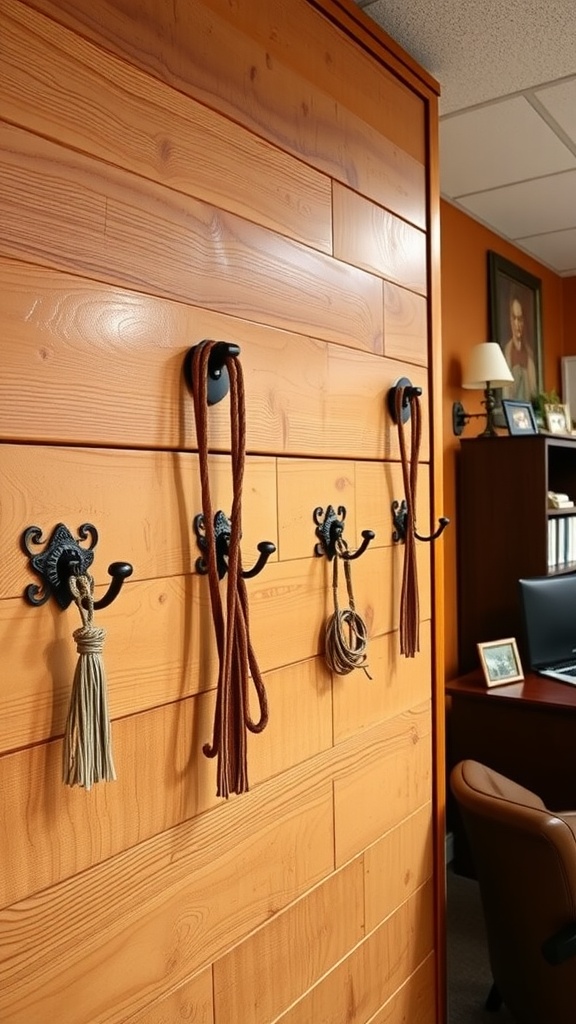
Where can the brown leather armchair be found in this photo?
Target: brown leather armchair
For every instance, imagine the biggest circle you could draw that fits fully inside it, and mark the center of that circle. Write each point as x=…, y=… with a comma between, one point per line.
x=525, y=860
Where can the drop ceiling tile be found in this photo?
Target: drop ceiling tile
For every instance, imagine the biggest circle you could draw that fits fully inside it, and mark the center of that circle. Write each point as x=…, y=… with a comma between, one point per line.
x=529, y=208
x=496, y=145
x=560, y=102
x=557, y=249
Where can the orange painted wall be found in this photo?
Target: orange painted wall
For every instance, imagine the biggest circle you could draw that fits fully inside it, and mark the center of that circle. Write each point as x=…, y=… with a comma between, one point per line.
x=464, y=275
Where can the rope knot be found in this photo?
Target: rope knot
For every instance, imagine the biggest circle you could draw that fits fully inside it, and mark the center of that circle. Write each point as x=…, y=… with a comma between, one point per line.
x=89, y=639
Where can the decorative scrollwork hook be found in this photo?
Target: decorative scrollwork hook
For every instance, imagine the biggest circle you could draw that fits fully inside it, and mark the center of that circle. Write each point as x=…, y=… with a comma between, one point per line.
x=222, y=530
x=63, y=556
x=400, y=520
x=329, y=530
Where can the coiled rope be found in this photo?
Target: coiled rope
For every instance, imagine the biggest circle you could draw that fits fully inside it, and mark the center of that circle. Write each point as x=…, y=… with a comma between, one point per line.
x=87, y=752
x=409, y=600
x=346, y=637
x=235, y=652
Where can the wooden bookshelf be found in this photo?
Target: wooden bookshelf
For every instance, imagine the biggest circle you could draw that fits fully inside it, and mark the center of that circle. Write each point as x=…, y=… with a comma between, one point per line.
x=503, y=530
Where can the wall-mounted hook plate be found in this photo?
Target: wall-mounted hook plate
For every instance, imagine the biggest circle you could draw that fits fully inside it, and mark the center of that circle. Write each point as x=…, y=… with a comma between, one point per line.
x=410, y=390
x=329, y=530
x=62, y=557
x=222, y=531
x=218, y=379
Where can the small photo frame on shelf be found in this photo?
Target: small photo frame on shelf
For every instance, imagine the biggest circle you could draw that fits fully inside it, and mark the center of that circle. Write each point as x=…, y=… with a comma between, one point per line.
x=500, y=662
x=519, y=417
x=558, y=419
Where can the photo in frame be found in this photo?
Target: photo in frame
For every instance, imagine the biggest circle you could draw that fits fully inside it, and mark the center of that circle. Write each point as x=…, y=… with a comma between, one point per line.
x=558, y=419
x=519, y=417
x=515, y=313
x=500, y=662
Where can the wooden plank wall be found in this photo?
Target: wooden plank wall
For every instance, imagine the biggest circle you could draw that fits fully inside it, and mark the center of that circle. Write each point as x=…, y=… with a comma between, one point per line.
x=168, y=173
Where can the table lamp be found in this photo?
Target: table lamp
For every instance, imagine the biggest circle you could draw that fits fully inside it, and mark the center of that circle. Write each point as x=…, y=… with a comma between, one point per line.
x=486, y=369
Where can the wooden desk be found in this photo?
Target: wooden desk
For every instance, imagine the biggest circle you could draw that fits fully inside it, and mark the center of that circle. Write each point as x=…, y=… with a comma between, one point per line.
x=526, y=731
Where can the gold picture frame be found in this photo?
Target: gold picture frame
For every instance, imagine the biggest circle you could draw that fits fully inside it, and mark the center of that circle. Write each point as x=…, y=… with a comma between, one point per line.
x=558, y=420
x=500, y=662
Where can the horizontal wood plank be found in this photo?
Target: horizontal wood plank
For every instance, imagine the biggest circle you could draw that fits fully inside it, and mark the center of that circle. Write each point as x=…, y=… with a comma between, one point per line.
x=415, y=1001
x=405, y=325
x=374, y=971
x=67, y=211
x=191, y=1003
x=370, y=237
x=295, y=949
x=163, y=779
x=397, y=865
x=202, y=887
x=89, y=100
x=380, y=791
x=241, y=79
x=70, y=345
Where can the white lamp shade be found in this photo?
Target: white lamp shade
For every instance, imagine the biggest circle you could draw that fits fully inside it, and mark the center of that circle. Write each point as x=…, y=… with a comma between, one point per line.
x=486, y=365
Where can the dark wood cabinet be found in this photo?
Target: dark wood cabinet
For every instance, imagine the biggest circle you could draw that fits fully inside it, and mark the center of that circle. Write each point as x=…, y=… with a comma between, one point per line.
x=503, y=530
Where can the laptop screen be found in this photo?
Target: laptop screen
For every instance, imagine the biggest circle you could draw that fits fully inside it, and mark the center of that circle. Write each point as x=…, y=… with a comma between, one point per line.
x=549, y=608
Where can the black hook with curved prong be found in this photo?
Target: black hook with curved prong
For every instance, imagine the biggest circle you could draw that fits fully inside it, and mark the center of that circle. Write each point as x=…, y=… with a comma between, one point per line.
x=329, y=530
x=222, y=531
x=63, y=557
x=218, y=379
x=400, y=519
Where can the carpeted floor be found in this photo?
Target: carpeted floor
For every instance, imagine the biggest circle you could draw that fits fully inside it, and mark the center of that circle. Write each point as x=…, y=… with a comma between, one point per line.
x=469, y=979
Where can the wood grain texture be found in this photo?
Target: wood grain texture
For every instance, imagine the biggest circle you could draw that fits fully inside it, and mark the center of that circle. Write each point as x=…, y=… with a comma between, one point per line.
x=164, y=778
x=405, y=325
x=201, y=888
x=374, y=971
x=402, y=772
x=205, y=54
x=326, y=923
x=114, y=945
x=142, y=503
x=70, y=345
x=413, y=1003
x=70, y=212
x=397, y=684
x=93, y=102
x=397, y=865
x=190, y=1004
x=370, y=237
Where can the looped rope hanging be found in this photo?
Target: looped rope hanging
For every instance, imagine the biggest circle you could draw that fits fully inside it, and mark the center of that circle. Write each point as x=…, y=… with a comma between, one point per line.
x=409, y=600
x=346, y=637
x=235, y=652
x=87, y=751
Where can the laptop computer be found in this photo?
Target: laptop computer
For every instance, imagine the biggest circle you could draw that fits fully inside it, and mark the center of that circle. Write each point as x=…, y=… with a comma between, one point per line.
x=549, y=609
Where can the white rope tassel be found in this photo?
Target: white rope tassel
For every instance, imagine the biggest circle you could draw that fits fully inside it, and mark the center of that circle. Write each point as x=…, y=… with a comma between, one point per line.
x=87, y=754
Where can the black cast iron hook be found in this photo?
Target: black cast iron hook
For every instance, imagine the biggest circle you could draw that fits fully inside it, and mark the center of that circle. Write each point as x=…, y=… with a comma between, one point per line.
x=63, y=557
x=400, y=519
x=410, y=391
x=222, y=531
x=329, y=530
x=218, y=379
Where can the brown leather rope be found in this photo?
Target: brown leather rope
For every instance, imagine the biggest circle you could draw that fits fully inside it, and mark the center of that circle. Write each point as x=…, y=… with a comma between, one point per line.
x=235, y=652
x=409, y=600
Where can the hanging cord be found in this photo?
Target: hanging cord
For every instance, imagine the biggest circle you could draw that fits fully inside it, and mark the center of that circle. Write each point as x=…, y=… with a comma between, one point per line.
x=409, y=601
x=235, y=652
x=346, y=632
x=87, y=753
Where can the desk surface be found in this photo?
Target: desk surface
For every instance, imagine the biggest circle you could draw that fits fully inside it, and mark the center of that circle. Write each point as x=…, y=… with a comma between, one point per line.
x=534, y=689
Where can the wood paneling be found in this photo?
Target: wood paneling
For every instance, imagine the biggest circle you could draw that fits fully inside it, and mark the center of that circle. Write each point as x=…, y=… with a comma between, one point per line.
x=259, y=174
x=72, y=213
x=93, y=102
x=326, y=923
x=369, y=976
x=370, y=237
x=203, y=54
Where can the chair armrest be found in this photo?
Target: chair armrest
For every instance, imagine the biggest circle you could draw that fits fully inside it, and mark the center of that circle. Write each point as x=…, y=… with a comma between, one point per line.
x=561, y=946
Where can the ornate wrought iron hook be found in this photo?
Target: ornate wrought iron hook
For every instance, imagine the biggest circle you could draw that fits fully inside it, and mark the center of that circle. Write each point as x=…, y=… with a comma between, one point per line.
x=218, y=379
x=62, y=557
x=222, y=530
x=400, y=519
x=329, y=530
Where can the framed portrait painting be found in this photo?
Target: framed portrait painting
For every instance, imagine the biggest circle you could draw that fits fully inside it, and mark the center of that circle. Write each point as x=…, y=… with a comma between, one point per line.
x=516, y=325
